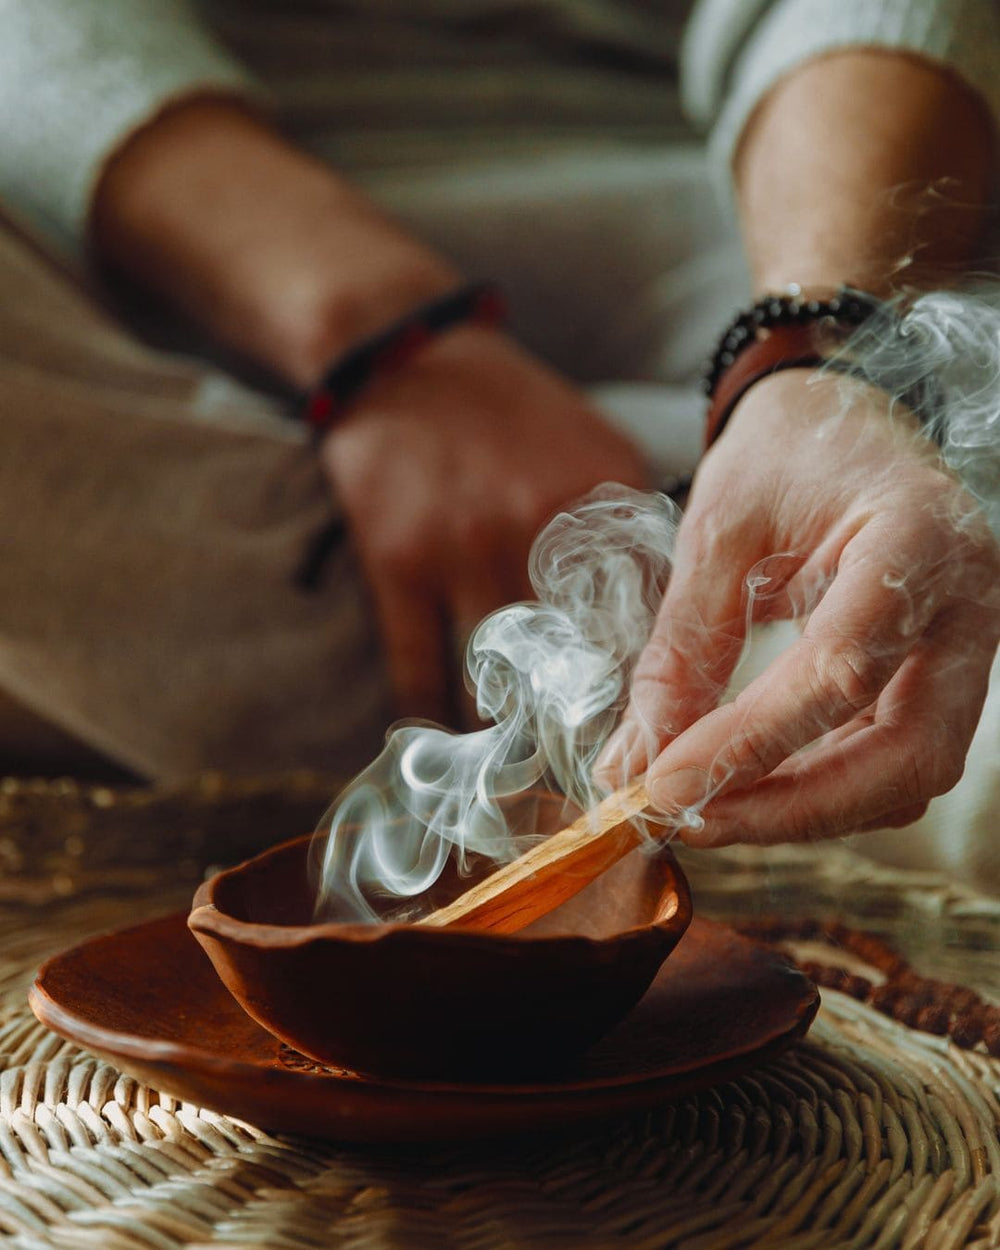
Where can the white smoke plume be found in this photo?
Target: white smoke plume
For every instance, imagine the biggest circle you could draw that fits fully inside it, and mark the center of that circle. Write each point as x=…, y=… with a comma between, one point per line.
x=551, y=676
x=940, y=355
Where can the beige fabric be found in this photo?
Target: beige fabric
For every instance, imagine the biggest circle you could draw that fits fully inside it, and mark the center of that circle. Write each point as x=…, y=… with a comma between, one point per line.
x=35, y=747
x=736, y=50
x=398, y=82
x=153, y=511
x=148, y=557
x=377, y=84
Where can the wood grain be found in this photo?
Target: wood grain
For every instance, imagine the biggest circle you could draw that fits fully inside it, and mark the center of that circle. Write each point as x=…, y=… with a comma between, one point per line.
x=552, y=872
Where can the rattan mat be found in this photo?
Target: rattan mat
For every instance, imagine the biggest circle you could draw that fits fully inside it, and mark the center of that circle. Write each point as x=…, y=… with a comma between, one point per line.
x=866, y=1134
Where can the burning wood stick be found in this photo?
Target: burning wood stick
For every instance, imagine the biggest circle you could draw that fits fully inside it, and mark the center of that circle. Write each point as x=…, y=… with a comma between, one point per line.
x=551, y=872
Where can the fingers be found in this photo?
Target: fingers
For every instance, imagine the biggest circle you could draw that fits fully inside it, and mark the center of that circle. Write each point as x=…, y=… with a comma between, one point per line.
x=854, y=642
x=426, y=626
x=881, y=770
x=416, y=647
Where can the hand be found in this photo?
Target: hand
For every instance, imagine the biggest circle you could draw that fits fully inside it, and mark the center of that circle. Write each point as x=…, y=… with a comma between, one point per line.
x=446, y=471
x=816, y=503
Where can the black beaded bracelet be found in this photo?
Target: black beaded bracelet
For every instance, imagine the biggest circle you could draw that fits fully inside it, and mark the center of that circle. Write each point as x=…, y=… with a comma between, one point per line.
x=790, y=331
x=848, y=308
x=478, y=303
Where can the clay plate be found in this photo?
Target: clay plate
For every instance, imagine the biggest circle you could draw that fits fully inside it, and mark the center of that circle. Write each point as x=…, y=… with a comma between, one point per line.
x=148, y=999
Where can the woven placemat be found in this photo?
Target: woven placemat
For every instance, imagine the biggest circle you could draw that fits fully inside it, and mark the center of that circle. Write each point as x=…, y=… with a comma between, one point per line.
x=869, y=1133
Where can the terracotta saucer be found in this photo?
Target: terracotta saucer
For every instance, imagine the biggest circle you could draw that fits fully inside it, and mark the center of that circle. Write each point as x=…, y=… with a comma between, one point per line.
x=148, y=999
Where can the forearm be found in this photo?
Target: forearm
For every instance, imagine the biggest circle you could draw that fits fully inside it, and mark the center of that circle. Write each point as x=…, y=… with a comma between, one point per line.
x=276, y=256
x=864, y=167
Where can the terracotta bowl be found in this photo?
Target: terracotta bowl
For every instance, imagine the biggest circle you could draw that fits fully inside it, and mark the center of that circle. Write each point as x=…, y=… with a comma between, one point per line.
x=395, y=999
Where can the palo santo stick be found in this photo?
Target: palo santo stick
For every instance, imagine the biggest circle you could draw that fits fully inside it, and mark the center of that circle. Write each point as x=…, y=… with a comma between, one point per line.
x=551, y=872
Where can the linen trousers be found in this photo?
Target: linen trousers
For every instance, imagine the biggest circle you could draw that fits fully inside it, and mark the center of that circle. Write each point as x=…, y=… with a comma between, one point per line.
x=154, y=509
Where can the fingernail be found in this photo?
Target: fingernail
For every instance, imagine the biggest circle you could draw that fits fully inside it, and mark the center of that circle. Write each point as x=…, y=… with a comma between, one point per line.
x=672, y=791
x=705, y=835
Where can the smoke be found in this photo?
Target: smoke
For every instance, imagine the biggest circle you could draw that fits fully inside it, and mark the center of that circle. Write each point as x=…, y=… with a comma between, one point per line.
x=940, y=355
x=550, y=676
x=832, y=769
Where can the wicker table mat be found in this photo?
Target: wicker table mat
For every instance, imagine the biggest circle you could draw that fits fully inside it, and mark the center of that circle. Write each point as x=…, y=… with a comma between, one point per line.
x=867, y=1134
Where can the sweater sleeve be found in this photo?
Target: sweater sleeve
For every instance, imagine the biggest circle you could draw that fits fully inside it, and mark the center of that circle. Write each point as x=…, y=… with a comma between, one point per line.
x=736, y=50
x=78, y=76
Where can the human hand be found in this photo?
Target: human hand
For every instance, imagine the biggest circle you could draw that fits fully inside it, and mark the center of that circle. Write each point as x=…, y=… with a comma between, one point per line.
x=446, y=470
x=816, y=503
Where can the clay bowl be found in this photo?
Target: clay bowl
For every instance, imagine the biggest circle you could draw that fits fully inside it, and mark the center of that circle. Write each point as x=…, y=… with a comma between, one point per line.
x=395, y=999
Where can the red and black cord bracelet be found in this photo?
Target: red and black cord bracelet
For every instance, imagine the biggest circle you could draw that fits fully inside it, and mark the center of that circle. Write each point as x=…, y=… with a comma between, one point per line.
x=478, y=303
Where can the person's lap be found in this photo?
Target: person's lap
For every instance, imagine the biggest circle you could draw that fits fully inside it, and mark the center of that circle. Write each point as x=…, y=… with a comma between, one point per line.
x=150, y=541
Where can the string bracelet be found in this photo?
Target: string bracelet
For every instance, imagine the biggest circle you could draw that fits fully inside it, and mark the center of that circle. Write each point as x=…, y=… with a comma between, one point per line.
x=478, y=303
x=778, y=332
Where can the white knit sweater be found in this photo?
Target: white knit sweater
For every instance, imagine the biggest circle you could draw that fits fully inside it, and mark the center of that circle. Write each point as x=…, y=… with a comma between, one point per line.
x=373, y=81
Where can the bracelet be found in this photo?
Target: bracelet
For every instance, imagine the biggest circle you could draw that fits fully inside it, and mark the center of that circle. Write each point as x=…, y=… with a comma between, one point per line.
x=777, y=332
x=479, y=303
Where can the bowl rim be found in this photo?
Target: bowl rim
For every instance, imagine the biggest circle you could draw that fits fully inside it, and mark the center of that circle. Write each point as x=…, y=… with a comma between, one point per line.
x=206, y=917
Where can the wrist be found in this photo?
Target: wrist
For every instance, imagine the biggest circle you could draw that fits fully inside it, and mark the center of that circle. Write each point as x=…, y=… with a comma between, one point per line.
x=324, y=316
x=394, y=346
x=827, y=420
x=775, y=334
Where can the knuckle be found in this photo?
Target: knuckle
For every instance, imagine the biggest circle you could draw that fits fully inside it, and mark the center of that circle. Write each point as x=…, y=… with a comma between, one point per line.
x=714, y=534
x=478, y=535
x=928, y=772
x=912, y=781
x=656, y=661
x=529, y=496
x=535, y=511
x=752, y=753
x=397, y=552
x=389, y=556
x=847, y=677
